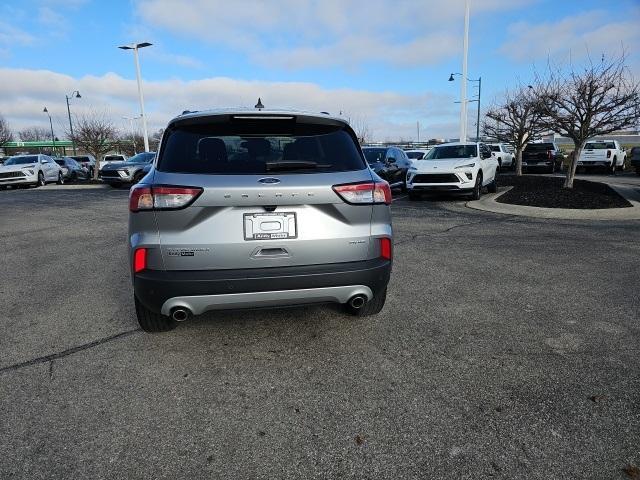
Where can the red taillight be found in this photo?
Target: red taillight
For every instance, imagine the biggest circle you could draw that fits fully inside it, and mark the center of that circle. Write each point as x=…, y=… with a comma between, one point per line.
x=549, y=154
x=385, y=248
x=364, y=193
x=608, y=153
x=143, y=197
x=139, y=260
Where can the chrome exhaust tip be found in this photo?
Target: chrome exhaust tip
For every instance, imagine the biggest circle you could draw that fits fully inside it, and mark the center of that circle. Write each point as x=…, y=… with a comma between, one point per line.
x=180, y=314
x=358, y=301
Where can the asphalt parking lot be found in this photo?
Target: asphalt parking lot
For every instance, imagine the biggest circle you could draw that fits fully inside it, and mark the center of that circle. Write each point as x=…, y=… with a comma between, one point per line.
x=508, y=348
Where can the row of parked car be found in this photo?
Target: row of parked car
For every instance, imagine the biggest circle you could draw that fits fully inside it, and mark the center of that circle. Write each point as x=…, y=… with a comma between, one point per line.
x=469, y=167
x=38, y=169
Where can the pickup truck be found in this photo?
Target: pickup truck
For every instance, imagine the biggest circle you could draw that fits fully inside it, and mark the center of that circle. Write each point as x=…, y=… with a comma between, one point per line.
x=602, y=153
x=542, y=156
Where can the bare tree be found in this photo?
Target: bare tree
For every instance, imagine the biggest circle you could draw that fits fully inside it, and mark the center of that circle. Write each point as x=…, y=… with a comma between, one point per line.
x=597, y=100
x=516, y=120
x=95, y=134
x=33, y=134
x=154, y=141
x=5, y=132
x=131, y=143
x=361, y=129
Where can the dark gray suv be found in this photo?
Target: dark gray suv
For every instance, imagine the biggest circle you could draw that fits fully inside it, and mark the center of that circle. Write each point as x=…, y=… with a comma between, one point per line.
x=250, y=209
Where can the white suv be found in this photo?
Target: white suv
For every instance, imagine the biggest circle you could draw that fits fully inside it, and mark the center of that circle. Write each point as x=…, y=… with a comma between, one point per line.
x=461, y=167
x=504, y=154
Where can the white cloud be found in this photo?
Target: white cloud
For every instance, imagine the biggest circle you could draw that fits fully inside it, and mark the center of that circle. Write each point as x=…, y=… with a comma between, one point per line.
x=174, y=59
x=303, y=33
x=11, y=35
x=589, y=33
x=389, y=115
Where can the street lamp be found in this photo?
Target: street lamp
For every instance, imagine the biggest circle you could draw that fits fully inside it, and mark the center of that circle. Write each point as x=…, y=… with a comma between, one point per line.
x=479, y=80
x=74, y=94
x=135, y=47
x=53, y=139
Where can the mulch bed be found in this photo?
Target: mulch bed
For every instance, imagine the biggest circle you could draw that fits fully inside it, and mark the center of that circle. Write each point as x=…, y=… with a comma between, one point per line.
x=542, y=191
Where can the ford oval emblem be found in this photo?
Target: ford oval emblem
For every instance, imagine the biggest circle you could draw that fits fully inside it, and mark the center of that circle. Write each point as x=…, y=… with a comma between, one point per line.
x=269, y=180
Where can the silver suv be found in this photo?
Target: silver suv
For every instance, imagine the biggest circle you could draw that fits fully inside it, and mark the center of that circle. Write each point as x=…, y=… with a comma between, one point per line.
x=248, y=209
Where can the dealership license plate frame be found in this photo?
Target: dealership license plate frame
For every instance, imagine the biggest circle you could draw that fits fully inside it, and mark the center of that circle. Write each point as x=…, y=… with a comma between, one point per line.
x=289, y=222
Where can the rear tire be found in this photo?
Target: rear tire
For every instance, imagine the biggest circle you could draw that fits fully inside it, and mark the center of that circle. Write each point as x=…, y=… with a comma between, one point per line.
x=493, y=186
x=153, y=322
x=372, y=307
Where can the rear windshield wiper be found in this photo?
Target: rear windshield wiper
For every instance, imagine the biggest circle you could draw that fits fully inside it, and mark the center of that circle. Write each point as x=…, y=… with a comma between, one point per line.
x=294, y=165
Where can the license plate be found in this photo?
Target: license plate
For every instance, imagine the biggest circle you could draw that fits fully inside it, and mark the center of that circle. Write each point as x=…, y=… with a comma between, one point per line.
x=270, y=226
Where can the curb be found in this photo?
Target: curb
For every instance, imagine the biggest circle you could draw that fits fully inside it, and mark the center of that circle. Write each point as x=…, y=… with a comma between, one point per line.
x=488, y=204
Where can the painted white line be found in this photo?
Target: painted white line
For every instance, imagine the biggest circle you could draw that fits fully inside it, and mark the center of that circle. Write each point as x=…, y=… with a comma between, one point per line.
x=399, y=198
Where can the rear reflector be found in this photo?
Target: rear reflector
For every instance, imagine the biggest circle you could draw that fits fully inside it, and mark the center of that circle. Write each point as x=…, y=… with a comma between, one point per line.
x=385, y=248
x=161, y=197
x=365, y=193
x=139, y=260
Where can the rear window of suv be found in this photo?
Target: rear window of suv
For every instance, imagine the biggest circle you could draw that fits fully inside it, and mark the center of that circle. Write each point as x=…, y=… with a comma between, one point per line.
x=539, y=147
x=254, y=149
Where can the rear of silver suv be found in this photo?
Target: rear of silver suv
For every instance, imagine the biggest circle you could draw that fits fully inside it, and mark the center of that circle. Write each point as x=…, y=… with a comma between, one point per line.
x=258, y=209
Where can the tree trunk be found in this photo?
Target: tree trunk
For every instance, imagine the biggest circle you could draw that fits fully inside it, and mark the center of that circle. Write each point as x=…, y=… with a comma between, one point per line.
x=571, y=171
x=96, y=170
x=519, y=162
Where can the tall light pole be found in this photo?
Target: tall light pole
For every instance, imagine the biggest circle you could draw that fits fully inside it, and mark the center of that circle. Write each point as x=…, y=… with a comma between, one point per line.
x=135, y=47
x=53, y=138
x=479, y=80
x=74, y=94
x=133, y=134
x=463, y=85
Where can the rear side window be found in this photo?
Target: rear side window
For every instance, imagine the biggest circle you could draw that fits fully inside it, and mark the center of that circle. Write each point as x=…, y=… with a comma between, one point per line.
x=230, y=149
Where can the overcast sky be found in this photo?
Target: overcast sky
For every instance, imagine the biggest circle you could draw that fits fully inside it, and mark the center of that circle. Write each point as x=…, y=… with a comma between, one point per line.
x=384, y=63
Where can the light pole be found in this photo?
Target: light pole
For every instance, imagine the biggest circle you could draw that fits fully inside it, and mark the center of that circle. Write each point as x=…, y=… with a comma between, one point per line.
x=74, y=94
x=133, y=134
x=479, y=80
x=135, y=48
x=463, y=85
x=53, y=139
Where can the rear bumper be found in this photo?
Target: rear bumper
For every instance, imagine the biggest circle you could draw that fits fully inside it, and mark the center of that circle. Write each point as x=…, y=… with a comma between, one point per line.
x=199, y=290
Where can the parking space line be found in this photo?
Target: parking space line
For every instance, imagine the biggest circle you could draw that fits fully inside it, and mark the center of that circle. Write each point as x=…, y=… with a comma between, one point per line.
x=399, y=198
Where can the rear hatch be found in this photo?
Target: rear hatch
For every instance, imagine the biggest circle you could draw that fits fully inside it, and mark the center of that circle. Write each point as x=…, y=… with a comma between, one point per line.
x=267, y=194
x=597, y=152
x=537, y=153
